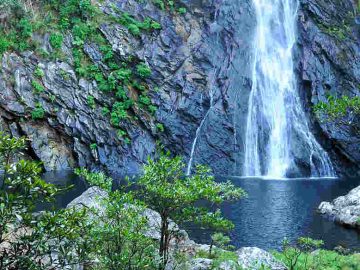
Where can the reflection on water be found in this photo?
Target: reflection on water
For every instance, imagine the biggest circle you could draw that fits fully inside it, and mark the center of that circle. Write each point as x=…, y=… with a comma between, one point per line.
x=273, y=210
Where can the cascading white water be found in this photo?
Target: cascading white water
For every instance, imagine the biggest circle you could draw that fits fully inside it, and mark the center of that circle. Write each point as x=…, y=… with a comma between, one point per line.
x=274, y=110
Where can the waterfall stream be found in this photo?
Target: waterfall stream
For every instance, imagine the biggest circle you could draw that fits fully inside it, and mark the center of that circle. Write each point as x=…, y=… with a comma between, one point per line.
x=274, y=109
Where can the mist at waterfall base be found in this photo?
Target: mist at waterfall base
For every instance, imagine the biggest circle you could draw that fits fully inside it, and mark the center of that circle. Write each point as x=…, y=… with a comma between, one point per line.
x=273, y=210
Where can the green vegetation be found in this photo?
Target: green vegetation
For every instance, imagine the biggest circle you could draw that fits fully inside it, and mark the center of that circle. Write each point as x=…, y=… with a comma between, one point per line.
x=24, y=237
x=39, y=73
x=182, y=10
x=338, y=107
x=95, y=179
x=160, y=127
x=134, y=26
x=165, y=188
x=91, y=102
x=122, y=80
x=59, y=239
x=339, y=110
x=37, y=87
x=38, y=112
x=170, y=5
x=114, y=233
x=56, y=40
x=221, y=241
x=143, y=70
x=302, y=257
x=93, y=146
x=120, y=242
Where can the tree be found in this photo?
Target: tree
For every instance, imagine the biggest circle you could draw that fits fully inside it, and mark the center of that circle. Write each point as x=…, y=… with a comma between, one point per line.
x=165, y=188
x=119, y=238
x=118, y=230
x=29, y=240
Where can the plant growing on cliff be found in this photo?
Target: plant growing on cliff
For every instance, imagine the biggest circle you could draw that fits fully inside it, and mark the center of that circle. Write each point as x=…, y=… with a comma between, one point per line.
x=38, y=112
x=339, y=110
x=165, y=188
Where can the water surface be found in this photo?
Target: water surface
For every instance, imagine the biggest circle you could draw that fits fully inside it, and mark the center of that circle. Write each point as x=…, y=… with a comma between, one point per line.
x=273, y=210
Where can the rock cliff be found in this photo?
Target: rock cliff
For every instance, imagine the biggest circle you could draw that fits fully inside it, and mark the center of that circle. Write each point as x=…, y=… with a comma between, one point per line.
x=200, y=82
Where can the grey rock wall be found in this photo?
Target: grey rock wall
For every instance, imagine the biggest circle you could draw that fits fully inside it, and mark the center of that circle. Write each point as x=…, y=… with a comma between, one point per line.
x=201, y=68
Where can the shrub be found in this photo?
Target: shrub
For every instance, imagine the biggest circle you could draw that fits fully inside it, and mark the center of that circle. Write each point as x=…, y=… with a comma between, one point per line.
x=56, y=40
x=160, y=127
x=143, y=70
x=39, y=73
x=134, y=29
x=91, y=102
x=25, y=28
x=105, y=111
x=5, y=45
x=95, y=178
x=38, y=112
x=182, y=10
x=38, y=88
x=118, y=113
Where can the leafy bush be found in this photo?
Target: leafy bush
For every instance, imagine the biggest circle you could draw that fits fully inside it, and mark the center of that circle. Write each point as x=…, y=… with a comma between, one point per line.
x=38, y=112
x=118, y=113
x=182, y=10
x=5, y=45
x=300, y=257
x=143, y=70
x=91, y=102
x=93, y=146
x=60, y=239
x=56, y=40
x=160, y=127
x=95, y=178
x=338, y=107
x=39, y=73
x=38, y=88
x=120, y=242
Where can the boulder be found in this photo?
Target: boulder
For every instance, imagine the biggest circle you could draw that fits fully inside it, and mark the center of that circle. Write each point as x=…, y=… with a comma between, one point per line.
x=90, y=198
x=200, y=264
x=344, y=209
x=254, y=258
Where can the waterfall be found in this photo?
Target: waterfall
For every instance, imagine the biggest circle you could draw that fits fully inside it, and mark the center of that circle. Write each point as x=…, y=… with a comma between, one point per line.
x=274, y=108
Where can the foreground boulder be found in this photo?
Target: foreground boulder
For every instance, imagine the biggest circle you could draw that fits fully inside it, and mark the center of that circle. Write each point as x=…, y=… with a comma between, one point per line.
x=344, y=209
x=254, y=258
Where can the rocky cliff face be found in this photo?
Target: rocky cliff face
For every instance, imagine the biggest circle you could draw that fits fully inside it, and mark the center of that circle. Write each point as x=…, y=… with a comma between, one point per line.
x=201, y=70
x=329, y=64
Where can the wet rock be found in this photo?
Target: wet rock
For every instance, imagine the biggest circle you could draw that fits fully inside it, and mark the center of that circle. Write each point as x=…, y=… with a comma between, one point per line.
x=201, y=70
x=329, y=64
x=254, y=258
x=344, y=209
x=53, y=150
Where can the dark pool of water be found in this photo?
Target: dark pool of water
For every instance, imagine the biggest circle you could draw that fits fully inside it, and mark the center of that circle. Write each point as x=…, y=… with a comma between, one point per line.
x=273, y=210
